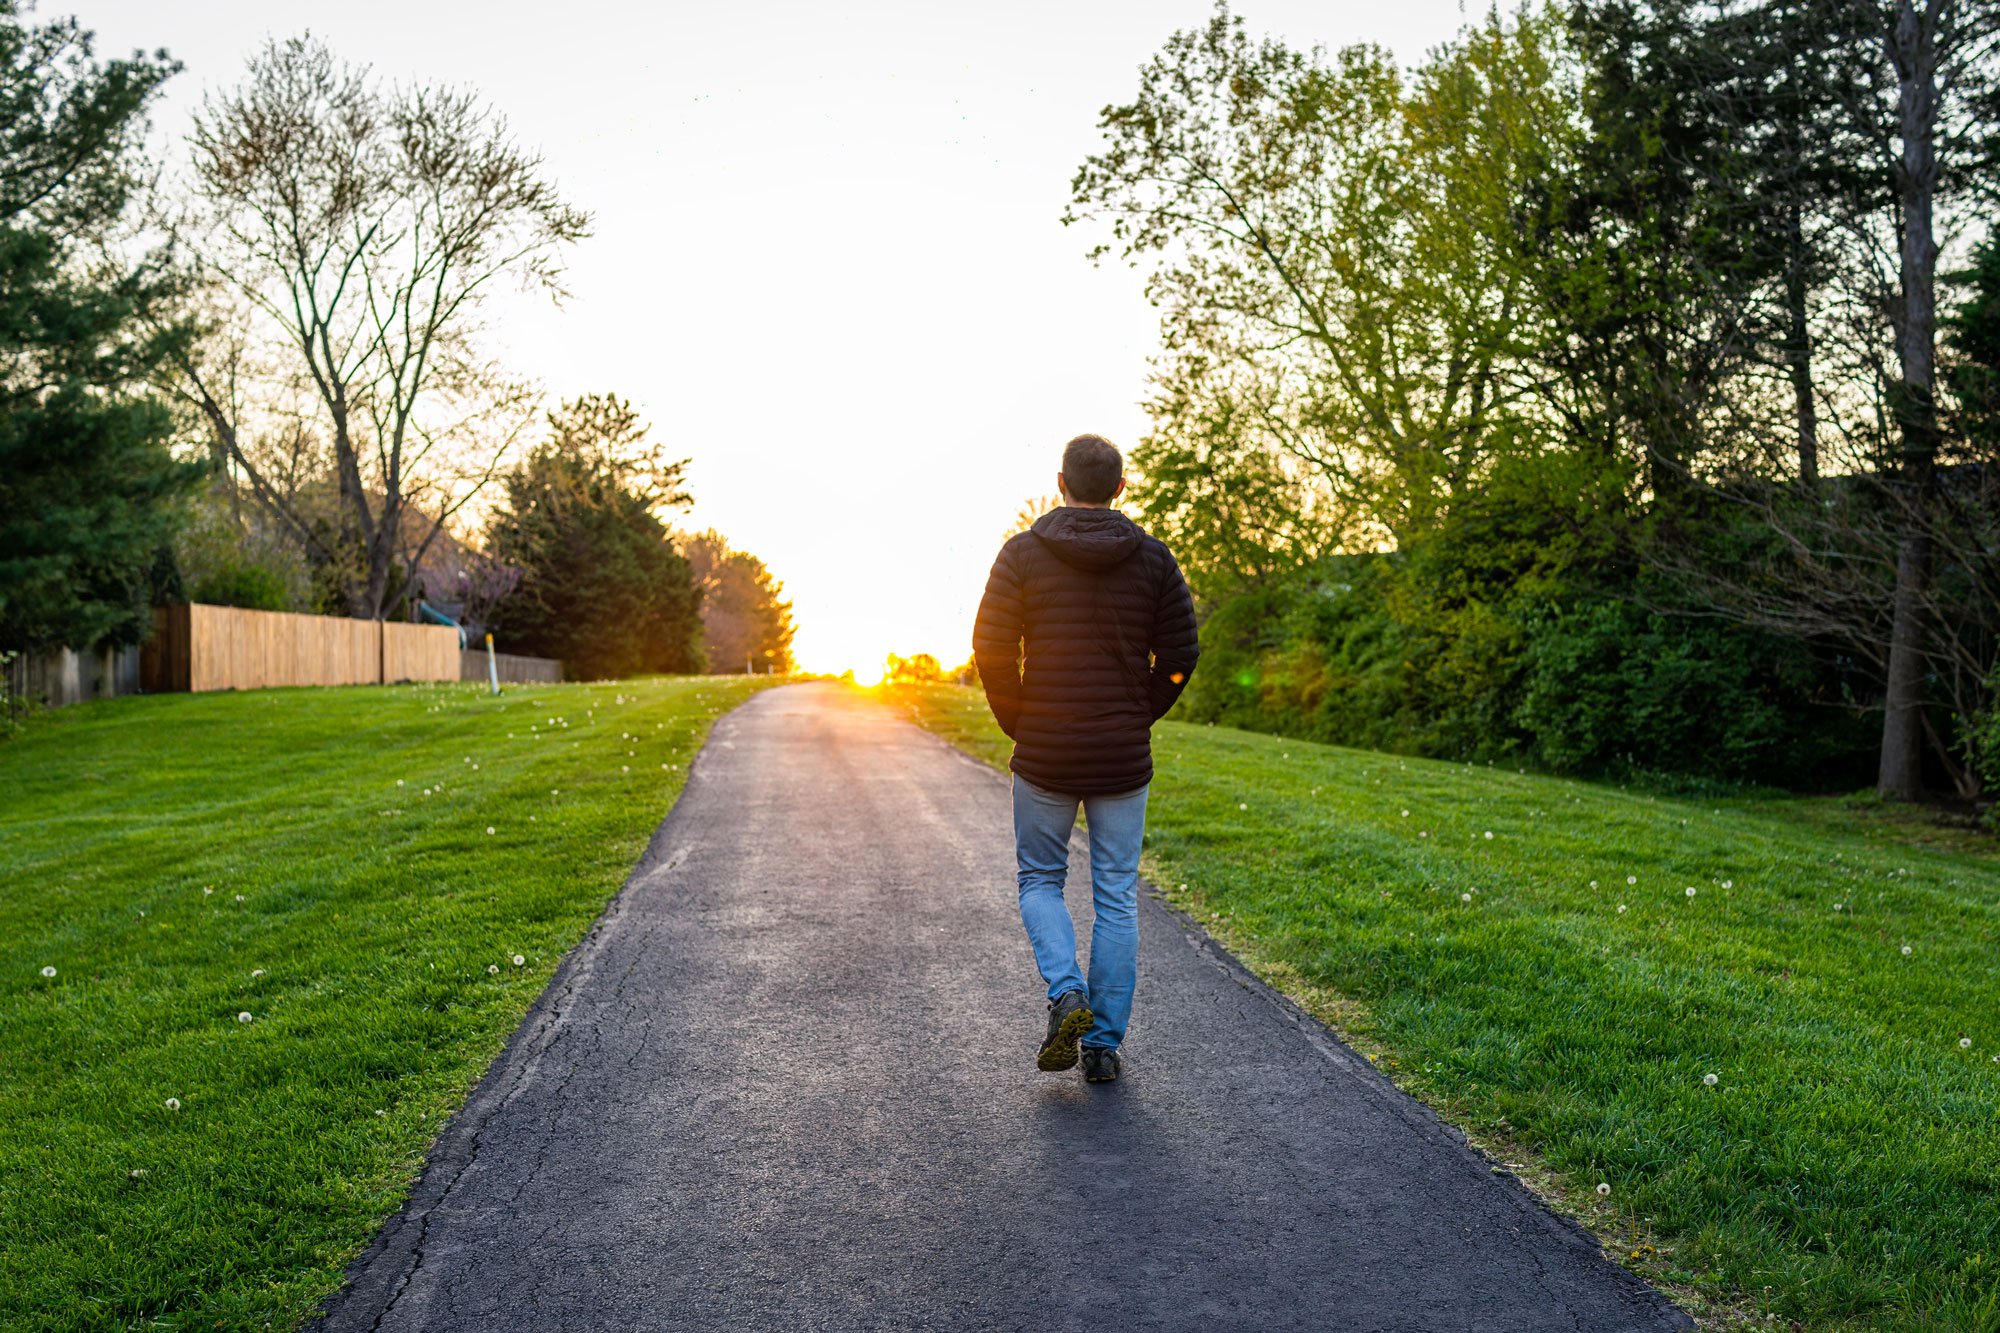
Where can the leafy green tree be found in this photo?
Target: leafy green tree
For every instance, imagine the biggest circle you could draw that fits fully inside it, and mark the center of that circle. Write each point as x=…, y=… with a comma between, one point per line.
x=745, y=620
x=88, y=484
x=1336, y=253
x=601, y=585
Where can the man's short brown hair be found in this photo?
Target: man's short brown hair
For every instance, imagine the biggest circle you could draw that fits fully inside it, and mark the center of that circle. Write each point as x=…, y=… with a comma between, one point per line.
x=1091, y=468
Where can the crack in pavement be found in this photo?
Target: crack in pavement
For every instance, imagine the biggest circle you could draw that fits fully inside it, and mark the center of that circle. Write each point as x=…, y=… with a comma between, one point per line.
x=786, y=1081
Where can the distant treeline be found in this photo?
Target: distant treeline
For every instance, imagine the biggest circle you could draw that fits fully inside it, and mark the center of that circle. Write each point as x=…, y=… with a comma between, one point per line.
x=1617, y=390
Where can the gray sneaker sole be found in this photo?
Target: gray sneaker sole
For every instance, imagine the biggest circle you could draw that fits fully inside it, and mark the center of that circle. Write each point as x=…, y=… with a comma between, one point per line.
x=1060, y=1051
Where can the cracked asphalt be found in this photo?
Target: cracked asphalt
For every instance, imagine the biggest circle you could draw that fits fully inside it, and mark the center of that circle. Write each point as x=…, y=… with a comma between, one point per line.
x=787, y=1082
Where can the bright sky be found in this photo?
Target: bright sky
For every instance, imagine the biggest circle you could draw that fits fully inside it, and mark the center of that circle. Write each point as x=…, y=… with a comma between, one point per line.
x=828, y=264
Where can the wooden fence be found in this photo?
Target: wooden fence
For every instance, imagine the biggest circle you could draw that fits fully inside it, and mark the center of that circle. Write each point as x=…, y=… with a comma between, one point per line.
x=197, y=647
x=513, y=667
x=67, y=677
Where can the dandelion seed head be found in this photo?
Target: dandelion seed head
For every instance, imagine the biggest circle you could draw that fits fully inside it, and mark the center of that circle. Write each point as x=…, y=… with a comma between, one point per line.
x=1710, y=1079
x=520, y=960
x=48, y=971
x=1603, y=1187
x=489, y=828
x=1907, y=951
x=1965, y=1043
x=244, y=1017
x=1621, y=907
x=1690, y=890
x=1465, y=897
x=256, y=972
x=173, y=1103
x=1631, y=879
x=492, y=968
x=1489, y=833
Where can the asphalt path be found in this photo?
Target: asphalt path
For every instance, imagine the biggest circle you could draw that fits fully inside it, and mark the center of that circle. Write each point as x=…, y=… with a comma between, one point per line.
x=787, y=1082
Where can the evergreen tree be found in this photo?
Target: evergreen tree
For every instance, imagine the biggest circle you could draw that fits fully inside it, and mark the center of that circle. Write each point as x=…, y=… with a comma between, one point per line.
x=88, y=486
x=744, y=618
x=601, y=585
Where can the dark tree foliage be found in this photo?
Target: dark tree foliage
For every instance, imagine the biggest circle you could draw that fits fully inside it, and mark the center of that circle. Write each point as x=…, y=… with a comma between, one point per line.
x=1972, y=368
x=87, y=483
x=1648, y=249
x=601, y=585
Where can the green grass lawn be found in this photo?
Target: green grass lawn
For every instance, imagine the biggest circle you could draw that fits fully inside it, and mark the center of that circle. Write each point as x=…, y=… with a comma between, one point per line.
x=288, y=931
x=1562, y=968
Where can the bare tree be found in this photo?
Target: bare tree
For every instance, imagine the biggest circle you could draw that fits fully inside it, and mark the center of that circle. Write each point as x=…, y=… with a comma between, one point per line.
x=359, y=231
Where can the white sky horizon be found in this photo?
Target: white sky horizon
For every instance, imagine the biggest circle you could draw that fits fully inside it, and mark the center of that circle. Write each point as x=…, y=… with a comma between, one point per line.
x=827, y=263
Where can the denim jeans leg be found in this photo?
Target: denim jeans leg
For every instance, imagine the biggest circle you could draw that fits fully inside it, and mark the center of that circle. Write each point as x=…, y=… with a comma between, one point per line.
x=1117, y=830
x=1042, y=823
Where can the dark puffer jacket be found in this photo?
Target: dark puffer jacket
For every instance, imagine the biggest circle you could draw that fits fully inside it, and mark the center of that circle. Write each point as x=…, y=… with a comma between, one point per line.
x=1108, y=630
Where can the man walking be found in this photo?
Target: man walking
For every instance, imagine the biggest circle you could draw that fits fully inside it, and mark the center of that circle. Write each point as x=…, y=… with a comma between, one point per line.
x=1085, y=638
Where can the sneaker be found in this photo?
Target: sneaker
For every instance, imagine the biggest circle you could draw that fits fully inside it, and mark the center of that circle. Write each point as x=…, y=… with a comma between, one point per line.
x=1100, y=1064
x=1069, y=1019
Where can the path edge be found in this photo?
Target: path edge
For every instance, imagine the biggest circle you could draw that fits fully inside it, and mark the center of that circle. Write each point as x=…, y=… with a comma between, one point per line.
x=373, y=1282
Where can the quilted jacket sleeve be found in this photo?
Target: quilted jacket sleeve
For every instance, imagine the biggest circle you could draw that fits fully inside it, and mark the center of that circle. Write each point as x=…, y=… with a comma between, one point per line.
x=996, y=640
x=1175, y=644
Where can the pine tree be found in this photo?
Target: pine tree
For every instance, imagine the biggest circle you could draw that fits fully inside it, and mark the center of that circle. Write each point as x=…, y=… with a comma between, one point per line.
x=601, y=585
x=88, y=484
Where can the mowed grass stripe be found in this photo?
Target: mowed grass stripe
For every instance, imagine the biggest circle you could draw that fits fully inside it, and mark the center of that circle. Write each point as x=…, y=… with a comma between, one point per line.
x=1842, y=1169
x=158, y=852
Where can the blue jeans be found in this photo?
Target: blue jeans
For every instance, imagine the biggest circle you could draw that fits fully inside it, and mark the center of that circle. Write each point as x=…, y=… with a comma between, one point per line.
x=1042, y=823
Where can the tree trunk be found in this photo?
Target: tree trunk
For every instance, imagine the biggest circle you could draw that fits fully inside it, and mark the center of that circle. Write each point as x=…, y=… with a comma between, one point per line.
x=1798, y=349
x=1912, y=49
x=1901, y=775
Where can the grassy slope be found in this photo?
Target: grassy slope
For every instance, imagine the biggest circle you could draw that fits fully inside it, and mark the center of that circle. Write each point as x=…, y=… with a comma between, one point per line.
x=156, y=852
x=1840, y=1172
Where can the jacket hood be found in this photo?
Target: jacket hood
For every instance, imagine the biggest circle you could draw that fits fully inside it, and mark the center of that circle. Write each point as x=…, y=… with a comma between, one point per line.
x=1088, y=538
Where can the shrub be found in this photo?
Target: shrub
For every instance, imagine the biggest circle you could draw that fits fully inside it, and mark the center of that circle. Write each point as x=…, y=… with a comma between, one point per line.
x=1609, y=686
x=246, y=584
